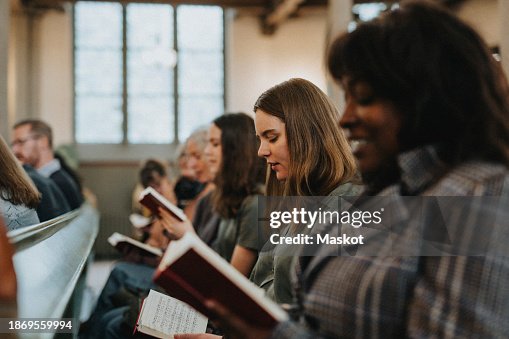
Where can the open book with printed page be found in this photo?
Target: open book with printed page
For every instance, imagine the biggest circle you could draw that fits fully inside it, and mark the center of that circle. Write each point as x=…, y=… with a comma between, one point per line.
x=121, y=241
x=162, y=316
x=152, y=199
x=192, y=272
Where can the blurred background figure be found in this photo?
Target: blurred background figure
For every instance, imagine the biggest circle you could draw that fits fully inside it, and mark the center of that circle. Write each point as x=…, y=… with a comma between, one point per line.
x=18, y=195
x=32, y=144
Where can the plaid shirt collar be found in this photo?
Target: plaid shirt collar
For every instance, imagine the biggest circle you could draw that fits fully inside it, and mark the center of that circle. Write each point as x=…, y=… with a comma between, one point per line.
x=420, y=168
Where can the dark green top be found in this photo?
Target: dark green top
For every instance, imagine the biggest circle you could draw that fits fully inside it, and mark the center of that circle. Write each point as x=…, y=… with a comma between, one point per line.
x=274, y=272
x=241, y=230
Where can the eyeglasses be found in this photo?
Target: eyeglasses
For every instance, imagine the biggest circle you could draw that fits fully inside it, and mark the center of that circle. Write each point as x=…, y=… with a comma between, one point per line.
x=21, y=142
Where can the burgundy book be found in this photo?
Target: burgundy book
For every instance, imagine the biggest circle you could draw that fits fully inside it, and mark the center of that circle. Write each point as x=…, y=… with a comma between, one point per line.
x=192, y=272
x=151, y=199
x=120, y=241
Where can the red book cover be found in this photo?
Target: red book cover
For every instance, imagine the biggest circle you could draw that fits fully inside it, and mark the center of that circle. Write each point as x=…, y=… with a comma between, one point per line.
x=151, y=199
x=199, y=274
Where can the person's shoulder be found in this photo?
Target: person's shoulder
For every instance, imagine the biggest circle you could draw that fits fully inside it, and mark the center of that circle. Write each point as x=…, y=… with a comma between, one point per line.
x=473, y=178
x=347, y=189
x=61, y=175
x=250, y=202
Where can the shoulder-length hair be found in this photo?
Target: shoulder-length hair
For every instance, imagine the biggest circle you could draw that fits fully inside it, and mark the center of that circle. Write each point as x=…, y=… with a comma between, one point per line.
x=320, y=156
x=241, y=172
x=438, y=73
x=15, y=185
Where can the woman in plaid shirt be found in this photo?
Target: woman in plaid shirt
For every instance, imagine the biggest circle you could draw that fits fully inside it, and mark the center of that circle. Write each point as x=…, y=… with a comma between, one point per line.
x=427, y=112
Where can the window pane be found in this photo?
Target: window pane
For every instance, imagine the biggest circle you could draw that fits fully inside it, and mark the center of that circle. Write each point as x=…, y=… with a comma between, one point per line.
x=150, y=60
x=98, y=25
x=368, y=11
x=143, y=78
x=197, y=111
x=200, y=27
x=149, y=26
x=201, y=73
x=150, y=70
x=151, y=120
x=98, y=72
x=99, y=119
x=201, y=66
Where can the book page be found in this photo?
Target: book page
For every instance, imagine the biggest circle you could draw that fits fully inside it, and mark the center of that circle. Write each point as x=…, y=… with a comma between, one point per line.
x=169, y=316
x=116, y=238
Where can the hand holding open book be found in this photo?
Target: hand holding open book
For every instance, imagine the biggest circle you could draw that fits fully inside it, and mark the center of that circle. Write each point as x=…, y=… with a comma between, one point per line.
x=192, y=272
x=172, y=218
x=174, y=226
x=153, y=200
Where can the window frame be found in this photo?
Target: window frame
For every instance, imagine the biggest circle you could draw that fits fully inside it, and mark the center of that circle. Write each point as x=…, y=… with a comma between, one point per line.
x=126, y=151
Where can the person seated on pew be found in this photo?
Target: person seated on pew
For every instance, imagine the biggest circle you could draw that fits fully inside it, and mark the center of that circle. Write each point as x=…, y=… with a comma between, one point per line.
x=231, y=156
x=191, y=191
x=18, y=195
x=428, y=106
x=8, y=286
x=152, y=174
x=307, y=154
x=187, y=188
x=231, y=138
x=126, y=278
x=53, y=202
x=303, y=158
x=33, y=145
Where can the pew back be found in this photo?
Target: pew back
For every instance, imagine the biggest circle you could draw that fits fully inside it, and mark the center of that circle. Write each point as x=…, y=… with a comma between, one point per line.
x=49, y=261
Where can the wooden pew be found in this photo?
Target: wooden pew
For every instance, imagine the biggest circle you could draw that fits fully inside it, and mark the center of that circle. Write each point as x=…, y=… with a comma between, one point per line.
x=50, y=263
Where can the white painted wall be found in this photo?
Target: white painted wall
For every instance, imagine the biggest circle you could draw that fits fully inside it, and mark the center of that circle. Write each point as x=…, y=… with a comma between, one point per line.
x=4, y=43
x=483, y=16
x=40, y=70
x=504, y=32
x=18, y=82
x=257, y=62
x=55, y=76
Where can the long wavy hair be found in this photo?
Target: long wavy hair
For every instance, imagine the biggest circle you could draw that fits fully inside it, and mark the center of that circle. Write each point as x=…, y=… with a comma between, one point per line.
x=15, y=185
x=440, y=76
x=320, y=156
x=241, y=172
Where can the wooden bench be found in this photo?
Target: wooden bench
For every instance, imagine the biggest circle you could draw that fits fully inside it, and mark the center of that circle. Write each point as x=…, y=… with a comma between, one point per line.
x=50, y=263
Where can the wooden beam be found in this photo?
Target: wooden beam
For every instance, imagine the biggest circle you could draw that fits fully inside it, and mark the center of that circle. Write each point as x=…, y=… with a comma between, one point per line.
x=280, y=10
x=277, y=12
x=222, y=3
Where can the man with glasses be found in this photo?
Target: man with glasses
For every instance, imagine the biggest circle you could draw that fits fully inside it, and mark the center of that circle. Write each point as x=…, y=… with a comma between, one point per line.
x=33, y=145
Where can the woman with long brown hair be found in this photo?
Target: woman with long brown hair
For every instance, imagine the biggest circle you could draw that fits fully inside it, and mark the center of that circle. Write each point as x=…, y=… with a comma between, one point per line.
x=18, y=195
x=238, y=173
x=307, y=154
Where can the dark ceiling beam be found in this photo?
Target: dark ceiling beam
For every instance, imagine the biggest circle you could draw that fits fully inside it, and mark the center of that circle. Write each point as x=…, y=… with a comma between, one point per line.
x=224, y=3
x=277, y=11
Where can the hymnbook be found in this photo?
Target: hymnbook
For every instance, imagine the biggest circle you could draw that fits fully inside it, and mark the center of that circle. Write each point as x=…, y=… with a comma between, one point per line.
x=192, y=272
x=162, y=316
x=121, y=241
x=151, y=199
